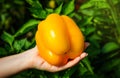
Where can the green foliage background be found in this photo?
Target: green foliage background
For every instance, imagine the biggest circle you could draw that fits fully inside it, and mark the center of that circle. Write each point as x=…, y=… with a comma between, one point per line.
x=99, y=20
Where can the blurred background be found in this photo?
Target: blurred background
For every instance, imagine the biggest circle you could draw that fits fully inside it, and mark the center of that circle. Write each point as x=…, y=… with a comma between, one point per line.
x=99, y=20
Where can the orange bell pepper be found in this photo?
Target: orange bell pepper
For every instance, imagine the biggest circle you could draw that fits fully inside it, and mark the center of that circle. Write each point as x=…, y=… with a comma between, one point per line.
x=59, y=39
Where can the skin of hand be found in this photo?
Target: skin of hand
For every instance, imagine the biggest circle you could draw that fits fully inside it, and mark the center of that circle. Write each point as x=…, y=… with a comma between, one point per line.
x=31, y=59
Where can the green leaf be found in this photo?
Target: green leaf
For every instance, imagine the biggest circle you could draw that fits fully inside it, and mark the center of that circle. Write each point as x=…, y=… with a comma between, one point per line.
x=58, y=9
x=70, y=71
x=102, y=5
x=110, y=46
x=38, y=13
x=95, y=37
x=115, y=16
x=28, y=44
x=109, y=65
x=7, y=38
x=88, y=12
x=69, y=7
x=87, y=21
x=82, y=69
x=89, y=30
x=3, y=51
x=79, y=17
x=86, y=62
x=95, y=4
x=86, y=5
x=26, y=27
x=55, y=75
x=49, y=11
x=19, y=44
x=34, y=3
x=116, y=2
x=100, y=19
x=37, y=9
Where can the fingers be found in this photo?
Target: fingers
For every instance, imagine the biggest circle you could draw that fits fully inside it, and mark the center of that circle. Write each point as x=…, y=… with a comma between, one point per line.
x=86, y=44
x=72, y=62
x=76, y=60
x=83, y=55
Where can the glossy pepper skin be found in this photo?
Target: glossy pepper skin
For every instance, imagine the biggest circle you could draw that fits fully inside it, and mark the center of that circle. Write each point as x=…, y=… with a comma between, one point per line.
x=59, y=39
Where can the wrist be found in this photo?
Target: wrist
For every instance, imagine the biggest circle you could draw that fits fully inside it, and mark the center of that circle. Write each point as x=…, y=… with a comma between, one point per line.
x=30, y=57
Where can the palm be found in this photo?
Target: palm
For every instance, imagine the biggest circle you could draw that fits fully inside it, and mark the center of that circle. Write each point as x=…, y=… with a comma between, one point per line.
x=43, y=65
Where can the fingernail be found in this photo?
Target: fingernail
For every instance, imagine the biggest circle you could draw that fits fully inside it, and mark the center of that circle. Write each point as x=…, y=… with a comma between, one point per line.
x=86, y=54
x=87, y=44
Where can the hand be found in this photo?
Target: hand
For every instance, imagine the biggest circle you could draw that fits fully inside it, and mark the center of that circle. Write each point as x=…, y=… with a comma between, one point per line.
x=31, y=59
x=39, y=63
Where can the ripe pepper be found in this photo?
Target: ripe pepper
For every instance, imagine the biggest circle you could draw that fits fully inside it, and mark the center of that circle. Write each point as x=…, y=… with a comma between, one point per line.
x=59, y=39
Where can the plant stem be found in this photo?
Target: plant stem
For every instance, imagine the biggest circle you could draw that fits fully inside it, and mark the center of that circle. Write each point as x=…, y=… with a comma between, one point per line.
x=115, y=18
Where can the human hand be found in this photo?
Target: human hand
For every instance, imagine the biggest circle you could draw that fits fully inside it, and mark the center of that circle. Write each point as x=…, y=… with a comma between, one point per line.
x=39, y=63
x=31, y=59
